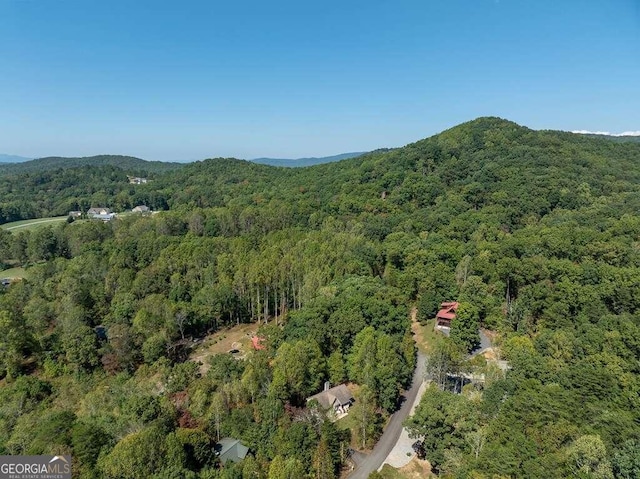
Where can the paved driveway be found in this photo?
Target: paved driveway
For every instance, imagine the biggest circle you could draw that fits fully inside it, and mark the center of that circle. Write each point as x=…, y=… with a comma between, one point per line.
x=391, y=434
x=485, y=343
x=402, y=452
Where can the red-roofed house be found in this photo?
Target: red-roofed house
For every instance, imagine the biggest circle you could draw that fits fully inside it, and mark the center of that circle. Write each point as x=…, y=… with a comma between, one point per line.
x=256, y=342
x=446, y=314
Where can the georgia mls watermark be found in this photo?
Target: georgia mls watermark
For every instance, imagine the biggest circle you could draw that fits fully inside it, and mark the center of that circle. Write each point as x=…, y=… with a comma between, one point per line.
x=35, y=467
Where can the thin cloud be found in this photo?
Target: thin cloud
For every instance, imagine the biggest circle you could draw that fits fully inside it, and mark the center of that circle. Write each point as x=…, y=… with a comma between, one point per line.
x=587, y=132
x=624, y=133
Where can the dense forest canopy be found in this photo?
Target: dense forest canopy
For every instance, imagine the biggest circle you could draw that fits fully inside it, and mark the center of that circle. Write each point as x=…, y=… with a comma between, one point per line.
x=536, y=233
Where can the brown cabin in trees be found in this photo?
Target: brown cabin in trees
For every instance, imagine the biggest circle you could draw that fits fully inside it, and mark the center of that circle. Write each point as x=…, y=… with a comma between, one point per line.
x=337, y=400
x=446, y=314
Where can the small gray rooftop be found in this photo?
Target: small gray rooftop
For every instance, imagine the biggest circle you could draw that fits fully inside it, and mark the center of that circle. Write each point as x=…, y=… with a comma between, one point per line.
x=229, y=449
x=339, y=394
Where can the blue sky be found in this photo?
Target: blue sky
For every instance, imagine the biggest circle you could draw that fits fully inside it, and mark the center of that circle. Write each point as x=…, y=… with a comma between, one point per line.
x=195, y=79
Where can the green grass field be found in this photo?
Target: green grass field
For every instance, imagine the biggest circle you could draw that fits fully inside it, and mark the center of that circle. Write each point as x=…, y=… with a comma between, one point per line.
x=347, y=422
x=389, y=472
x=32, y=224
x=14, y=273
x=425, y=335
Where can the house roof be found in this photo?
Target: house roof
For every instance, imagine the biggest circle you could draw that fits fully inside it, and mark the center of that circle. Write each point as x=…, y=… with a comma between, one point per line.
x=98, y=210
x=341, y=393
x=328, y=398
x=230, y=449
x=448, y=310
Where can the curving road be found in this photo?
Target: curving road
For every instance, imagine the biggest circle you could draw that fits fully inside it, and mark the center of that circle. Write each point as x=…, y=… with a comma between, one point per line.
x=392, y=432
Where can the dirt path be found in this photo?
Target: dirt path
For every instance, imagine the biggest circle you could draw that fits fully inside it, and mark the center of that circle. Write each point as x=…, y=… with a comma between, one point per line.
x=415, y=326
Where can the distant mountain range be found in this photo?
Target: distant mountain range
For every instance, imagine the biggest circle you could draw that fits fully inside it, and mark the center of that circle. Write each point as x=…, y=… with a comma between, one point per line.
x=13, y=158
x=306, y=161
x=20, y=164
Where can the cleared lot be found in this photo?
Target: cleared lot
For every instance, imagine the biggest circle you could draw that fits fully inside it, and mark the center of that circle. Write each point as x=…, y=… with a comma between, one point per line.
x=32, y=224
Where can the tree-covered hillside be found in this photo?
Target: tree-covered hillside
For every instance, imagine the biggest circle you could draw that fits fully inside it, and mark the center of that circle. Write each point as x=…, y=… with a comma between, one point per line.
x=617, y=139
x=536, y=234
x=129, y=163
x=54, y=186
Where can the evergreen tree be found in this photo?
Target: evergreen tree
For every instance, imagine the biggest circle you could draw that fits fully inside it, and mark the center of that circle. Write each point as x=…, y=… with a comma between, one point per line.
x=465, y=327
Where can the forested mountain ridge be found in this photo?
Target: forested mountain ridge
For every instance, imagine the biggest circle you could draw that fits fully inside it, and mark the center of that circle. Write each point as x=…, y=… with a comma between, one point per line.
x=534, y=233
x=483, y=152
x=485, y=161
x=615, y=138
x=55, y=162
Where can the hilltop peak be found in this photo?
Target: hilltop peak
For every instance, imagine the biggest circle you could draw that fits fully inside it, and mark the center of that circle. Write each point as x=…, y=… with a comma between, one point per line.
x=489, y=123
x=475, y=133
